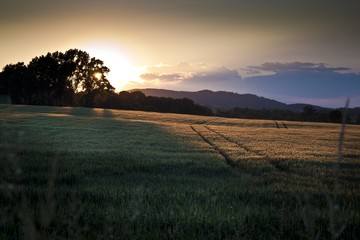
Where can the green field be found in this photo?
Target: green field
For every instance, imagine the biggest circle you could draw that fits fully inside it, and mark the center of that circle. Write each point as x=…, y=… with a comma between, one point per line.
x=77, y=173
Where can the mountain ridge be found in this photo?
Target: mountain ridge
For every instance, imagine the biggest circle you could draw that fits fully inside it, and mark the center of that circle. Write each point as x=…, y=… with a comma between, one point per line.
x=223, y=100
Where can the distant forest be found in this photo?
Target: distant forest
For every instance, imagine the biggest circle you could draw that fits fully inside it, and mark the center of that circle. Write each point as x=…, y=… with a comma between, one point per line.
x=74, y=78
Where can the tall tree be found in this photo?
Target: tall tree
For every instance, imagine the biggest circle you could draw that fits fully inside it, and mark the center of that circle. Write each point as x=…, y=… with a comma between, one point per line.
x=89, y=75
x=50, y=76
x=44, y=74
x=335, y=116
x=14, y=81
x=61, y=86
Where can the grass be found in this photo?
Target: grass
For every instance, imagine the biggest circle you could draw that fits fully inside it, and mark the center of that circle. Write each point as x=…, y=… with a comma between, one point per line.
x=108, y=174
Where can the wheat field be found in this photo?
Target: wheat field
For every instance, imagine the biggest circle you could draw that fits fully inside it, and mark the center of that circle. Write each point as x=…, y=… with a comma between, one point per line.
x=112, y=174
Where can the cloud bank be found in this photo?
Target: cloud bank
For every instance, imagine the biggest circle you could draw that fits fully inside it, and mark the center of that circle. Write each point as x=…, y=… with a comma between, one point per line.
x=295, y=66
x=192, y=76
x=314, y=83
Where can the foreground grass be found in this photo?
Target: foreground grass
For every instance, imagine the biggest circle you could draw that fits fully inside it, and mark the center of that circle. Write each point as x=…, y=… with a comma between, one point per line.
x=93, y=173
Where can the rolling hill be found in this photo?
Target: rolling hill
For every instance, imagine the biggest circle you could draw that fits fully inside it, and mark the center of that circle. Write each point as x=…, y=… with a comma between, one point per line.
x=224, y=100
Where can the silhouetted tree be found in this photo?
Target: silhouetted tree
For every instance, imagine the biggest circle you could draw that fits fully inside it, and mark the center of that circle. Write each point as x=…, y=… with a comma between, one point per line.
x=335, y=116
x=125, y=100
x=89, y=75
x=309, y=110
x=62, y=85
x=49, y=76
x=54, y=79
x=138, y=101
x=14, y=81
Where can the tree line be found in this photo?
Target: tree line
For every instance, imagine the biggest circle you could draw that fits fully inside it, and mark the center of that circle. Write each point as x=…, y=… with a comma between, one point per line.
x=138, y=101
x=56, y=79
x=309, y=114
x=74, y=78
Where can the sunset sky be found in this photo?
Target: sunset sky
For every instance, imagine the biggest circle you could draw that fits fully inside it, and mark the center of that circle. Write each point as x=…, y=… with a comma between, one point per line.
x=291, y=51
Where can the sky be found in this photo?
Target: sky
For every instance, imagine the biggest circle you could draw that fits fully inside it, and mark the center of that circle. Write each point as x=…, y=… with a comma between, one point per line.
x=304, y=51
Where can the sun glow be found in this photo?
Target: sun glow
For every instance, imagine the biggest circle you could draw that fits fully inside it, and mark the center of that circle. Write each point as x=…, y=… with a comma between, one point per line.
x=122, y=70
x=98, y=75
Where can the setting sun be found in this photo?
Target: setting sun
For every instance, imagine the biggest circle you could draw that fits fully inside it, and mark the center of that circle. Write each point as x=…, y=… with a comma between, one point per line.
x=122, y=70
x=98, y=75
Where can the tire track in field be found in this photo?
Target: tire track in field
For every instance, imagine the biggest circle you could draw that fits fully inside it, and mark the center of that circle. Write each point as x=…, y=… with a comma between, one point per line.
x=278, y=125
x=234, y=154
x=265, y=156
x=233, y=151
x=215, y=147
x=235, y=142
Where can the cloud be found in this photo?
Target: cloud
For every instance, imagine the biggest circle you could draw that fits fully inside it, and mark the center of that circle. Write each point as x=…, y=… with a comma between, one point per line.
x=295, y=66
x=174, y=77
x=190, y=77
x=222, y=74
x=315, y=83
x=191, y=73
x=303, y=80
x=184, y=67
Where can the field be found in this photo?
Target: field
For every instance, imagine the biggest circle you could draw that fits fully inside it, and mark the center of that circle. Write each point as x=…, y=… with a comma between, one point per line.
x=77, y=173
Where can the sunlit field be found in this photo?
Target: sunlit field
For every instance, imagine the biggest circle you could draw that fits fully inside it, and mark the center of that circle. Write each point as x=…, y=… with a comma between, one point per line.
x=77, y=173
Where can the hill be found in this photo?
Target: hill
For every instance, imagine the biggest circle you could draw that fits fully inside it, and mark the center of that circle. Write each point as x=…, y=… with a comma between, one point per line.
x=225, y=100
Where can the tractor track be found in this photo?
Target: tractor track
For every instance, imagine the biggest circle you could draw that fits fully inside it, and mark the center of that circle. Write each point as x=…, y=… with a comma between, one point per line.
x=266, y=157
x=235, y=142
x=216, y=148
x=242, y=149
